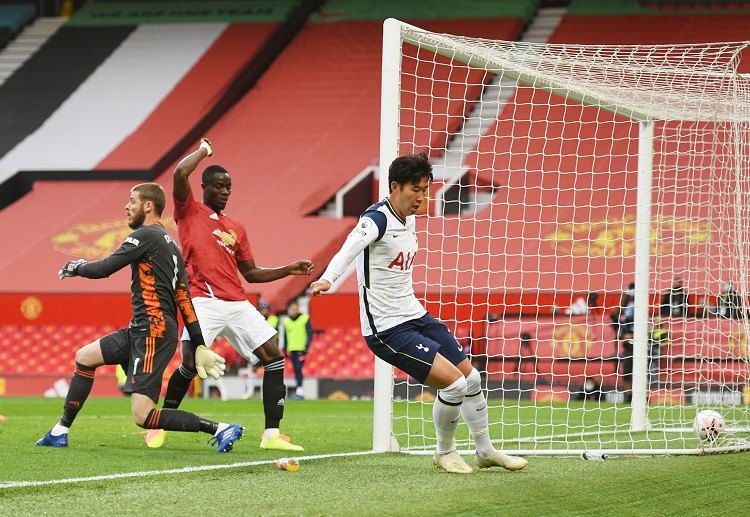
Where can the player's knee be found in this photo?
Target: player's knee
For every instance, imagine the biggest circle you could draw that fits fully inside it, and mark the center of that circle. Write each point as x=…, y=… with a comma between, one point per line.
x=473, y=382
x=455, y=392
x=141, y=407
x=268, y=352
x=81, y=356
x=86, y=356
x=139, y=417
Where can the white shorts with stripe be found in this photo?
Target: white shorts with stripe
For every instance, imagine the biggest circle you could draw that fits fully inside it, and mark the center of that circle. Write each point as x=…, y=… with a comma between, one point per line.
x=238, y=322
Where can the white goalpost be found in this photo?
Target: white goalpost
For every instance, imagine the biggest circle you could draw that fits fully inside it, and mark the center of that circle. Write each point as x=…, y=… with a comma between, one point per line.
x=566, y=173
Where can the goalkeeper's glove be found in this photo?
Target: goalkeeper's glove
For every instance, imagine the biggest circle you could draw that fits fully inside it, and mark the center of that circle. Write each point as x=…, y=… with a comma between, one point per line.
x=69, y=269
x=206, y=144
x=208, y=362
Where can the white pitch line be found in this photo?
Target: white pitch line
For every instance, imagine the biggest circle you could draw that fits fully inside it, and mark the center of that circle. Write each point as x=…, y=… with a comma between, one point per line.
x=183, y=470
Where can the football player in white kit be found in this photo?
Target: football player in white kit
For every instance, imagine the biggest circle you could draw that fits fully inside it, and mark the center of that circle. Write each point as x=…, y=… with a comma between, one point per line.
x=396, y=326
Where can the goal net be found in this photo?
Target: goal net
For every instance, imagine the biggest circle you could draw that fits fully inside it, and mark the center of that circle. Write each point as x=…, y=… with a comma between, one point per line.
x=575, y=187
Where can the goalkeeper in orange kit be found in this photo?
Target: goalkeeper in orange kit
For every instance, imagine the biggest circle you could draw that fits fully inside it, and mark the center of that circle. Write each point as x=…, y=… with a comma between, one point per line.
x=145, y=347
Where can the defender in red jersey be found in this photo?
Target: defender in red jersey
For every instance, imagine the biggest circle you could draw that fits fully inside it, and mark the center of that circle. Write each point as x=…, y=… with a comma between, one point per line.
x=216, y=248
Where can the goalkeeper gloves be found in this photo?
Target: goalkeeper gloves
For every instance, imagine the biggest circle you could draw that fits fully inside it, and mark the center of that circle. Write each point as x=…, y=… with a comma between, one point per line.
x=208, y=362
x=69, y=269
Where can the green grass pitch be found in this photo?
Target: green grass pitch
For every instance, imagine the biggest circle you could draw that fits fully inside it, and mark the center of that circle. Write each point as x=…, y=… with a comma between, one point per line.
x=337, y=477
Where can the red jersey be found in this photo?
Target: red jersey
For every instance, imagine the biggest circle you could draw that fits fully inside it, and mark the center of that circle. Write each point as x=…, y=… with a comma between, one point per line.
x=212, y=245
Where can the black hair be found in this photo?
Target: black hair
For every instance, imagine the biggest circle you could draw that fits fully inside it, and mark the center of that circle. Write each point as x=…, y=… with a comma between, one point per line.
x=210, y=171
x=410, y=169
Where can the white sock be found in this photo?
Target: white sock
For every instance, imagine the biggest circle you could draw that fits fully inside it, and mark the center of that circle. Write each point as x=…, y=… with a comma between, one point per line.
x=474, y=412
x=59, y=429
x=220, y=428
x=298, y=391
x=270, y=432
x=445, y=414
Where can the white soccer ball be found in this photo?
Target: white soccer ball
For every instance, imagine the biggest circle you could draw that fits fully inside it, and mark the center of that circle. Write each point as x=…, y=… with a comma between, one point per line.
x=708, y=425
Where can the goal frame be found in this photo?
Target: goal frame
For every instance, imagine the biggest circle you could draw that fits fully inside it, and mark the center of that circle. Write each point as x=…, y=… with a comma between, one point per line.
x=395, y=34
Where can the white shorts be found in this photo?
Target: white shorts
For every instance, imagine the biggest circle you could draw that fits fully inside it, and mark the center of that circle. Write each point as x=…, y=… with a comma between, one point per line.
x=238, y=322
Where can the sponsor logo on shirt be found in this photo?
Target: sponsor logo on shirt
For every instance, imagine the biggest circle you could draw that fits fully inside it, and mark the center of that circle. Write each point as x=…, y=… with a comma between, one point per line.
x=226, y=239
x=364, y=225
x=403, y=262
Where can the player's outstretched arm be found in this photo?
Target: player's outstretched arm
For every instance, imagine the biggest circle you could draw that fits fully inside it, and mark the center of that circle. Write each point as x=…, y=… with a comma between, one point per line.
x=127, y=253
x=360, y=237
x=180, y=182
x=258, y=275
x=301, y=267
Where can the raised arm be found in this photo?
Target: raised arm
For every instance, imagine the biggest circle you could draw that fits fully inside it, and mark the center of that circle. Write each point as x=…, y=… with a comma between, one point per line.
x=180, y=178
x=128, y=252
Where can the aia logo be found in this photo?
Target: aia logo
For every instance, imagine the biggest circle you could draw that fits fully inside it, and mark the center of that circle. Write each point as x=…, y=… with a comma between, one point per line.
x=403, y=262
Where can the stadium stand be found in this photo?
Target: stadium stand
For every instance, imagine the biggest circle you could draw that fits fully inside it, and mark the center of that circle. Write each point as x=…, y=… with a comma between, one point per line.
x=559, y=351
x=338, y=353
x=328, y=114
x=309, y=125
x=32, y=357
x=548, y=161
x=585, y=23
x=13, y=18
x=604, y=23
x=191, y=99
x=44, y=349
x=697, y=353
x=321, y=135
x=233, y=50
x=32, y=81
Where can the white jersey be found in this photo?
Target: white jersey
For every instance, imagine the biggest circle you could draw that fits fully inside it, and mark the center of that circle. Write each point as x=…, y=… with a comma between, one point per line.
x=384, y=268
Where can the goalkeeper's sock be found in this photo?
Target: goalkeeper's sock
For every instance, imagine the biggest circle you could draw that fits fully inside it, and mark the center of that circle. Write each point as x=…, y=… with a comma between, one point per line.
x=474, y=412
x=80, y=387
x=178, y=386
x=270, y=433
x=178, y=420
x=274, y=392
x=445, y=414
x=59, y=429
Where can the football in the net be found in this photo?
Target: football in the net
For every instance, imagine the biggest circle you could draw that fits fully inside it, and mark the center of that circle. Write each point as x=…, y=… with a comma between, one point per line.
x=708, y=425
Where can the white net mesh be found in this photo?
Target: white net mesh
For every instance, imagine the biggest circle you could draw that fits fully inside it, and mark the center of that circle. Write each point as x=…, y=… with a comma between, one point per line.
x=529, y=242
